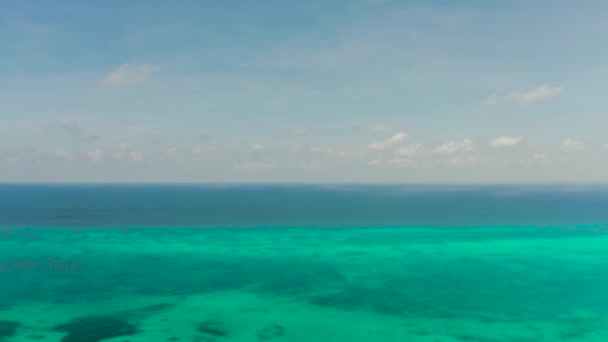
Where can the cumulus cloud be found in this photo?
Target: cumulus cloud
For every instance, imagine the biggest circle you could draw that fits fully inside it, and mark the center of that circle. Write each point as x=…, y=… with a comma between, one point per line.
x=539, y=159
x=454, y=147
x=172, y=152
x=389, y=143
x=61, y=154
x=490, y=100
x=524, y=97
x=374, y=162
x=538, y=94
x=176, y=154
x=124, y=153
x=136, y=157
x=505, y=141
x=257, y=147
x=95, y=155
x=410, y=150
x=254, y=166
x=130, y=74
x=572, y=145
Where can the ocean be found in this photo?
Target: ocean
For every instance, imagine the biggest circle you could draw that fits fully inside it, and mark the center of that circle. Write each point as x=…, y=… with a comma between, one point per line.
x=228, y=262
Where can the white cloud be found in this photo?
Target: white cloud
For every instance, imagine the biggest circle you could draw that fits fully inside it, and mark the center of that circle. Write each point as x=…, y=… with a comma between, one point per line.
x=124, y=152
x=95, y=155
x=136, y=157
x=410, y=150
x=258, y=147
x=538, y=94
x=176, y=154
x=61, y=154
x=525, y=97
x=491, y=100
x=453, y=147
x=254, y=166
x=389, y=143
x=130, y=74
x=572, y=145
x=172, y=151
x=539, y=159
x=505, y=141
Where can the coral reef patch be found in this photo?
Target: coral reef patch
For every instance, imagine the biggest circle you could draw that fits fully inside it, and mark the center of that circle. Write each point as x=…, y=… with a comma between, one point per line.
x=271, y=331
x=8, y=328
x=96, y=328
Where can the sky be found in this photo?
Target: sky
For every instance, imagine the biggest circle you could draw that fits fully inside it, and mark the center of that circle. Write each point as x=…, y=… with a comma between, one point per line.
x=372, y=91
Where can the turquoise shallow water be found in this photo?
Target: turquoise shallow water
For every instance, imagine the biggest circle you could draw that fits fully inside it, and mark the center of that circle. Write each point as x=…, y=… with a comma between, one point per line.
x=76, y=279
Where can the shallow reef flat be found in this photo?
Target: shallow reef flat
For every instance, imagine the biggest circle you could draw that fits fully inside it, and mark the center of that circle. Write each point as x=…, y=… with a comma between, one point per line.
x=504, y=283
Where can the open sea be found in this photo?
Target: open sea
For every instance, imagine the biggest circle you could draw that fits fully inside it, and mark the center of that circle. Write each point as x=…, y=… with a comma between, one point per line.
x=275, y=263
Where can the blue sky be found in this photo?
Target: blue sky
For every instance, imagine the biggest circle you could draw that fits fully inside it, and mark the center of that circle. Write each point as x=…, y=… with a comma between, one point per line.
x=303, y=91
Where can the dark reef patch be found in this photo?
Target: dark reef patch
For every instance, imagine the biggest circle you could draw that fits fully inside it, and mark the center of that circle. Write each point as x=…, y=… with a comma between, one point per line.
x=387, y=300
x=96, y=328
x=203, y=339
x=271, y=331
x=471, y=338
x=8, y=328
x=579, y=329
x=109, y=275
x=211, y=327
x=146, y=311
x=154, y=308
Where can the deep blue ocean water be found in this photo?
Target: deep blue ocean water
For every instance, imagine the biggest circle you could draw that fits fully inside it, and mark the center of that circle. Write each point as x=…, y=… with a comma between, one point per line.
x=212, y=263
x=299, y=205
